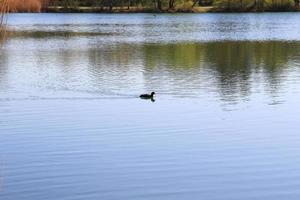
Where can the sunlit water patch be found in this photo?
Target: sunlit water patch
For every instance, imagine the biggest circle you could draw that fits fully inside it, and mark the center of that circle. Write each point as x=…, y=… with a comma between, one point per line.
x=167, y=28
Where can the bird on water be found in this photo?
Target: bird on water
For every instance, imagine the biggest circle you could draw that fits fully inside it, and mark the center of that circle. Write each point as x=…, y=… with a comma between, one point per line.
x=147, y=96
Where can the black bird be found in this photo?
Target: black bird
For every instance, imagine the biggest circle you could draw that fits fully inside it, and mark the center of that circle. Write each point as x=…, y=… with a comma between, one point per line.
x=147, y=96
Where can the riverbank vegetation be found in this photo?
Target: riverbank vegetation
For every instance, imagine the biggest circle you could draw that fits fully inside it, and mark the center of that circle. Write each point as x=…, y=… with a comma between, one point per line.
x=150, y=5
x=170, y=5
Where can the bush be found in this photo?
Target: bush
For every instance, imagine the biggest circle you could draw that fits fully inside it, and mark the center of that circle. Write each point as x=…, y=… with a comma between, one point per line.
x=254, y=5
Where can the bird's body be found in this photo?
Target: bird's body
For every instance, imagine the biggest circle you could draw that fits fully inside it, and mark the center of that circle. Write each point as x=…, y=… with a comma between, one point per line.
x=147, y=96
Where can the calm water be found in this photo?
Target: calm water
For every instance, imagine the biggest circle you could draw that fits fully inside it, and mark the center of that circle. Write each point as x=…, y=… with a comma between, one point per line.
x=225, y=123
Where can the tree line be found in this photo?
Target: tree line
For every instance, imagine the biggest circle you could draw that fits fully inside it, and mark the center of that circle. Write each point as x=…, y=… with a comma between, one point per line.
x=147, y=5
x=173, y=5
x=159, y=5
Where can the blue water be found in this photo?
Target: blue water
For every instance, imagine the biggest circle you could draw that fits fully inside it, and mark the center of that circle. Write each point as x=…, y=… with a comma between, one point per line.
x=224, y=124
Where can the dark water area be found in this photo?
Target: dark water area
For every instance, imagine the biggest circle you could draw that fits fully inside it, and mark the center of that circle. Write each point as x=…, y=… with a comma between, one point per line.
x=225, y=123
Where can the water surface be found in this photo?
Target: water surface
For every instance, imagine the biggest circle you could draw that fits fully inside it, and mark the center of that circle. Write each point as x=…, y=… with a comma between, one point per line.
x=224, y=124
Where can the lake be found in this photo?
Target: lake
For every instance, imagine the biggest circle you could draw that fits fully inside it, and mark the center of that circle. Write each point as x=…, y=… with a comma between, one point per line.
x=224, y=125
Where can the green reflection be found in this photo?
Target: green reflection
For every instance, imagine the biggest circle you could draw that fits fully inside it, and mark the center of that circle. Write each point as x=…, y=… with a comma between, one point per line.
x=229, y=58
x=230, y=71
x=234, y=65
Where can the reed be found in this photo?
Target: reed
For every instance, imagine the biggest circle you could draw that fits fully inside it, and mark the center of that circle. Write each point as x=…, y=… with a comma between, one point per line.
x=4, y=8
x=25, y=5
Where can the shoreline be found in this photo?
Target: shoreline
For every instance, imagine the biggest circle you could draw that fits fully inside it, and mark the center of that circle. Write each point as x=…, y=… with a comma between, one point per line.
x=204, y=9
x=125, y=10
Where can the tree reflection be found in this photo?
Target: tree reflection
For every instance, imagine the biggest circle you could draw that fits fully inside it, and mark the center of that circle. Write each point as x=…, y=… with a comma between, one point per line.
x=229, y=71
x=234, y=66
